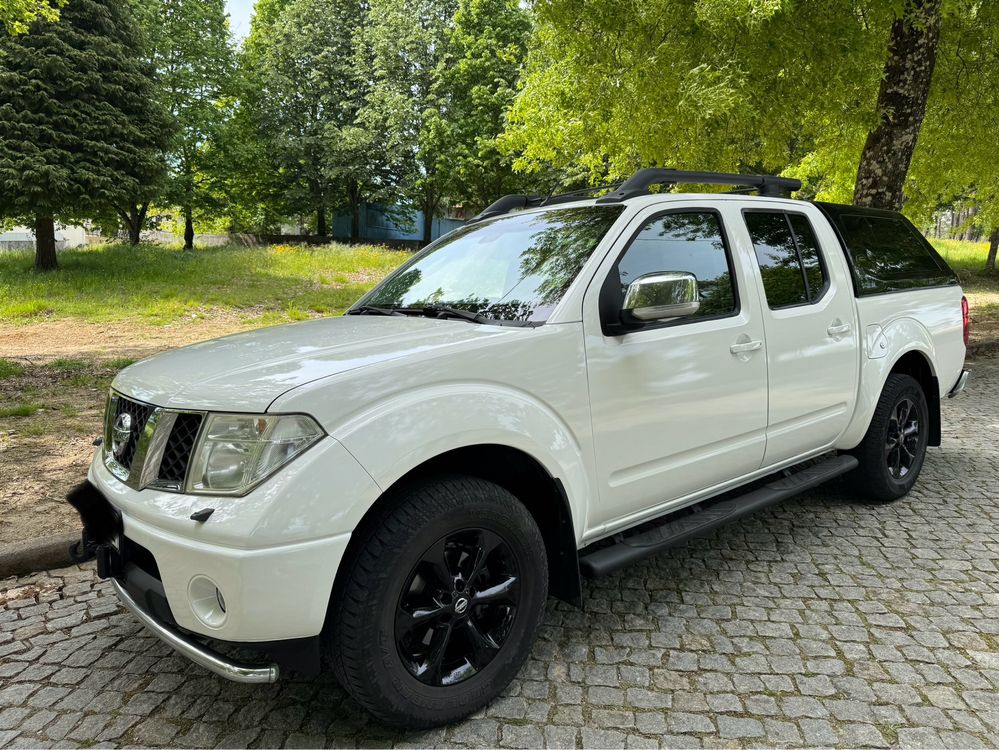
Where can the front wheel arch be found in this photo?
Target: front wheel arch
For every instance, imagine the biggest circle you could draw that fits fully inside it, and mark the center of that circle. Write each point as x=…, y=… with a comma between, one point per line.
x=529, y=481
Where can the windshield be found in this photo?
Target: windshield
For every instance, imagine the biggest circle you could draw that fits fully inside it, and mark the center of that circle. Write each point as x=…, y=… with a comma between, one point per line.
x=514, y=268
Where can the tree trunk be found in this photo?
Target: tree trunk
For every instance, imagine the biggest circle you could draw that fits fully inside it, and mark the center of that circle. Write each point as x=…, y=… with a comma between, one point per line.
x=990, y=262
x=355, y=220
x=321, y=228
x=134, y=217
x=188, y=228
x=45, y=249
x=428, y=227
x=905, y=87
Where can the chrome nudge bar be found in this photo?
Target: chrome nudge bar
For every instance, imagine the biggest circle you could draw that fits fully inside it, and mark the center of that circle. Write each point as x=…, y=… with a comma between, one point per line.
x=195, y=651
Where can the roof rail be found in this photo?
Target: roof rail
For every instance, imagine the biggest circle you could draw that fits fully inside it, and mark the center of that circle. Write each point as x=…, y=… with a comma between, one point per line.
x=506, y=204
x=639, y=183
x=509, y=203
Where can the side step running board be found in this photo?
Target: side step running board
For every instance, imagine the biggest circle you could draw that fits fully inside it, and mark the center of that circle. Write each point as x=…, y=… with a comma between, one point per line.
x=673, y=533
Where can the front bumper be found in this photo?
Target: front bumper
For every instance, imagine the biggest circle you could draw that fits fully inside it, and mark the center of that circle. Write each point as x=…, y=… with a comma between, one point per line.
x=195, y=651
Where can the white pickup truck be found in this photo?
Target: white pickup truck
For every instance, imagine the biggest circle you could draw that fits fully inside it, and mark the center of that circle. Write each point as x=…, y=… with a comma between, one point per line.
x=563, y=386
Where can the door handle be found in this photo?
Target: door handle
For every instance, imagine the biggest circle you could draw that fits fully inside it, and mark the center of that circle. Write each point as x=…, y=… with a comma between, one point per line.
x=838, y=329
x=747, y=346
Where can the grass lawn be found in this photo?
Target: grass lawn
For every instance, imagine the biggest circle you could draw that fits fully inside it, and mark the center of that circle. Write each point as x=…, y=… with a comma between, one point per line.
x=64, y=335
x=980, y=286
x=159, y=285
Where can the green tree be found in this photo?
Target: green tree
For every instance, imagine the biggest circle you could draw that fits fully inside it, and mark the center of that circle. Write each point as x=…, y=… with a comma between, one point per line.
x=313, y=91
x=188, y=43
x=405, y=45
x=17, y=15
x=955, y=161
x=487, y=44
x=768, y=85
x=76, y=107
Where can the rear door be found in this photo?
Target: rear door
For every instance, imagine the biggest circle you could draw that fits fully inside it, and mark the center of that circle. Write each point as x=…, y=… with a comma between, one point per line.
x=677, y=406
x=811, y=331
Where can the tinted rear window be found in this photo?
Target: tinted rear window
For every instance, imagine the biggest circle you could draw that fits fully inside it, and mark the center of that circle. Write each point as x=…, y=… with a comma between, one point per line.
x=887, y=253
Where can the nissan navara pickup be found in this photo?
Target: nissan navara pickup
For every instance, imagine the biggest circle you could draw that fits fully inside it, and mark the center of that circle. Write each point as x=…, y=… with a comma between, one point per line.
x=561, y=387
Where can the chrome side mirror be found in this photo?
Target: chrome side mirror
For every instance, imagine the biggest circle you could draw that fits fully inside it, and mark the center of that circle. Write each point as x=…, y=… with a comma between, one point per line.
x=661, y=296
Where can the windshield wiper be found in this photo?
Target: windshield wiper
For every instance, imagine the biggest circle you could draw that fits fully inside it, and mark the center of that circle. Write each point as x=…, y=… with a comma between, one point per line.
x=373, y=310
x=455, y=312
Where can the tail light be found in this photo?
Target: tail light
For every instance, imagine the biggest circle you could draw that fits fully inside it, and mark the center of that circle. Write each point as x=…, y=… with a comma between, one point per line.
x=965, y=319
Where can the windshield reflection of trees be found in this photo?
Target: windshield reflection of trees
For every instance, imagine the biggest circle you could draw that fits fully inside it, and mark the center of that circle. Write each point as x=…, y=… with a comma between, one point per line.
x=557, y=251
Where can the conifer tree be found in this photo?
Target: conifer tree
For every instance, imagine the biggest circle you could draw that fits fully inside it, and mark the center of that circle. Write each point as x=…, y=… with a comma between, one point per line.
x=78, y=119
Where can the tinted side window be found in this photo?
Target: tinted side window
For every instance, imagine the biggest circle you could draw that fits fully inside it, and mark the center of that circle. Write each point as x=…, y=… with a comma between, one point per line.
x=811, y=260
x=888, y=254
x=686, y=242
x=780, y=267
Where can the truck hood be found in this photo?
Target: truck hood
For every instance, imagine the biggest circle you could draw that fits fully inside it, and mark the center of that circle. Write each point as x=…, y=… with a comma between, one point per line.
x=247, y=371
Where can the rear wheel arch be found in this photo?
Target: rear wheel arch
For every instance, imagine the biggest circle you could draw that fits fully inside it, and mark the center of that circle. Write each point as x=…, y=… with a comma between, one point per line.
x=528, y=480
x=917, y=365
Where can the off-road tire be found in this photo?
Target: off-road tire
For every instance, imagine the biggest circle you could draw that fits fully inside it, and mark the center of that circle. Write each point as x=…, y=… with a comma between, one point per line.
x=361, y=632
x=874, y=479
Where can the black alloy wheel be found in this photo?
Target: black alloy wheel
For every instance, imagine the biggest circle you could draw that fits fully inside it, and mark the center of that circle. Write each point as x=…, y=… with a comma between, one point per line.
x=438, y=601
x=458, y=606
x=902, y=444
x=892, y=452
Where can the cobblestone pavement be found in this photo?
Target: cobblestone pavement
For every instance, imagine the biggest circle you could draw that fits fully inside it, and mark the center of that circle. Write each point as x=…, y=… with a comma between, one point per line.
x=821, y=622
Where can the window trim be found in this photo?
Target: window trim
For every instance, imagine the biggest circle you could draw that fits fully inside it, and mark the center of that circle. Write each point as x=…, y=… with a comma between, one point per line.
x=616, y=327
x=823, y=266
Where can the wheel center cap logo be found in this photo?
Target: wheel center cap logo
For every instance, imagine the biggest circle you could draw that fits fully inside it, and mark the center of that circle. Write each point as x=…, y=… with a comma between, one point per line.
x=460, y=605
x=120, y=434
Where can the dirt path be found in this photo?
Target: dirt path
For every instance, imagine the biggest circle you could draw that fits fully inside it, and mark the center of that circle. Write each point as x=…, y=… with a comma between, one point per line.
x=73, y=338
x=46, y=452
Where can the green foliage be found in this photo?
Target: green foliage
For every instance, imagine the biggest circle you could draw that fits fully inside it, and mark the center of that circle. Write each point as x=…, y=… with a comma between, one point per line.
x=20, y=410
x=312, y=90
x=10, y=369
x=956, y=160
x=487, y=45
x=405, y=45
x=715, y=84
x=76, y=108
x=17, y=15
x=154, y=284
x=188, y=43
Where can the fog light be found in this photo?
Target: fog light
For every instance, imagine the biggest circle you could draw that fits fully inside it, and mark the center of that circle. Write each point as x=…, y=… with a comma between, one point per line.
x=207, y=601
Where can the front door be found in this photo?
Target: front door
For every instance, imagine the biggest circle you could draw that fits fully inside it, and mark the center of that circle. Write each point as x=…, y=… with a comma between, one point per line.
x=810, y=324
x=677, y=406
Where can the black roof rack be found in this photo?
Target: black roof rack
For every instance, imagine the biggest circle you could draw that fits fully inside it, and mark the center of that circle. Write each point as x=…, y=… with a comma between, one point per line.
x=509, y=203
x=639, y=183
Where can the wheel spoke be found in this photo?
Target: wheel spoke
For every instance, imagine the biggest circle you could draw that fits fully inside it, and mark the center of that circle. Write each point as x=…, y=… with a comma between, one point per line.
x=898, y=462
x=406, y=621
x=430, y=670
x=911, y=429
x=435, y=558
x=504, y=592
x=488, y=542
x=484, y=648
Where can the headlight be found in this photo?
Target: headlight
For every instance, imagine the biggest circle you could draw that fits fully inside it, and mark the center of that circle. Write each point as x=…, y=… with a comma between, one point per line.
x=236, y=452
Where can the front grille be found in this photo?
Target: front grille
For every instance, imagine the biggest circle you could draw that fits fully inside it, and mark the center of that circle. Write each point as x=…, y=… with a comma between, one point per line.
x=139, y=413
x=177, y=454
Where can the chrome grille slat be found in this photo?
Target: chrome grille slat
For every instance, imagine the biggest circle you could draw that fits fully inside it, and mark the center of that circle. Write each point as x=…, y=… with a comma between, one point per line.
x=159, y=445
